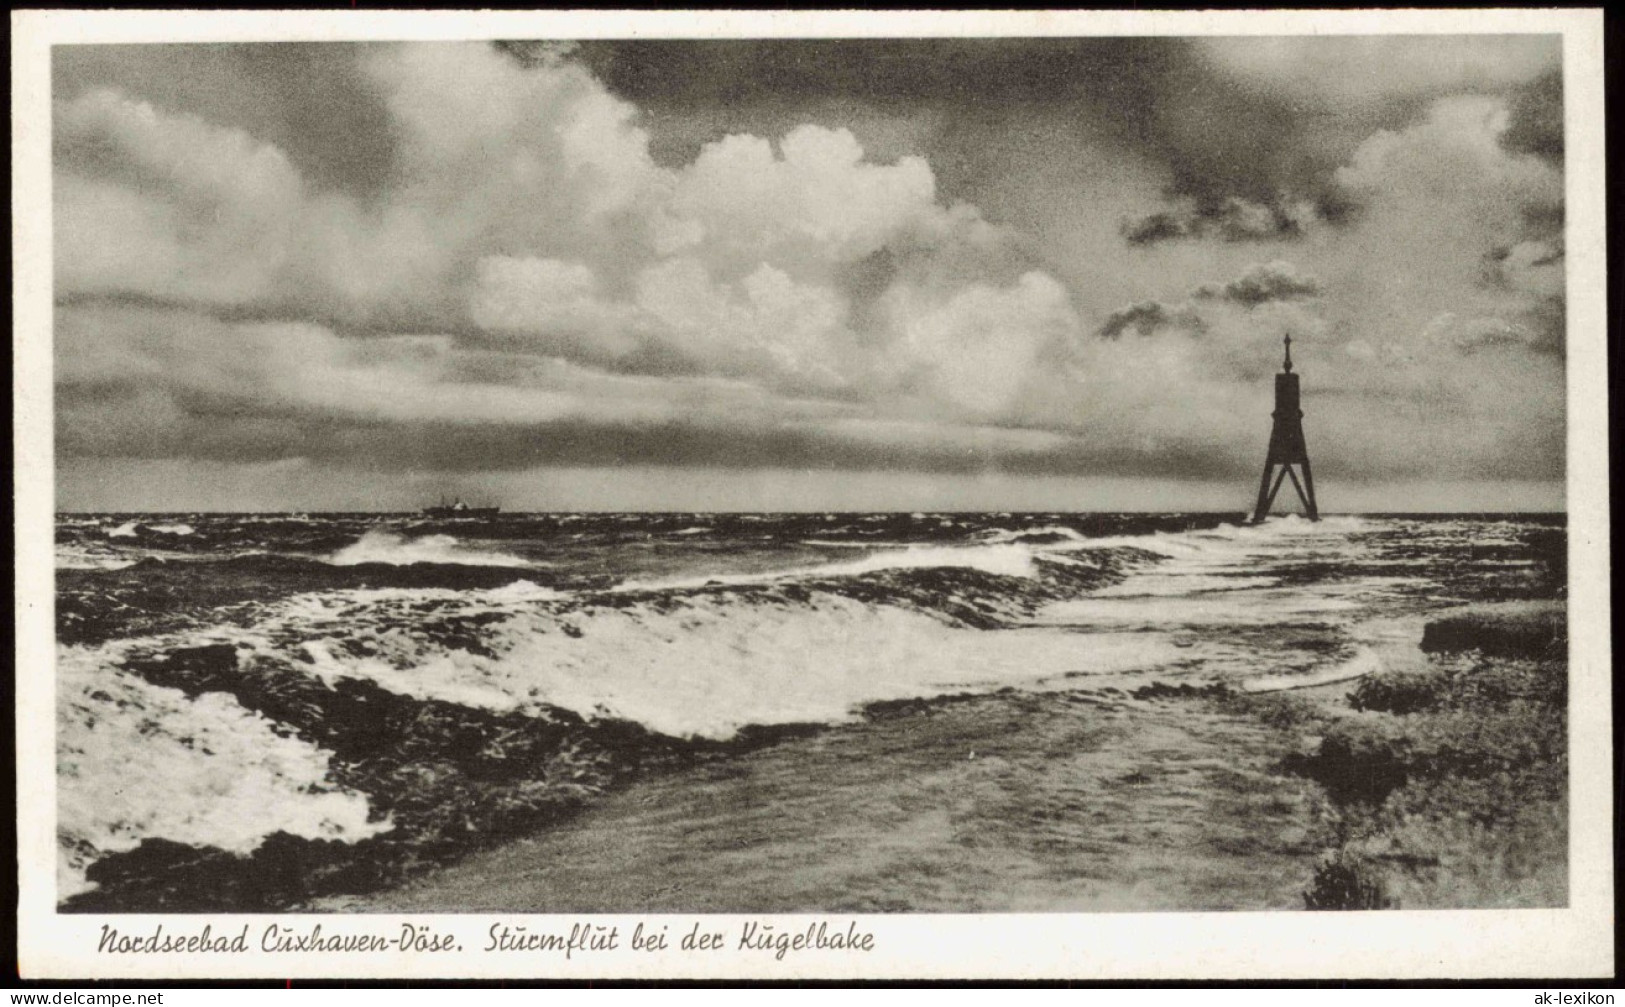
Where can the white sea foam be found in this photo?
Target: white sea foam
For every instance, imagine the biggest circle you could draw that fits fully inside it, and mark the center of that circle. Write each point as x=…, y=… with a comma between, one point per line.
x=1156, y=584
x=1384, y=645
x=135, y=760
x=1006, y=560
x=1010, y=560
x=1210, y=609
x=179, y=528
x=1059, y=531
x=71, y=557
x=364, y=606
x=1001, y=552
x=1364, y=662
x=380, y=546
x=125, y=530
x=711, y=666
x=1227, y=576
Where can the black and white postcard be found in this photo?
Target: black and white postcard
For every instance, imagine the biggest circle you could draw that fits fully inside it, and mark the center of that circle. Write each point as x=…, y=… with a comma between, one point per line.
x=812, y=495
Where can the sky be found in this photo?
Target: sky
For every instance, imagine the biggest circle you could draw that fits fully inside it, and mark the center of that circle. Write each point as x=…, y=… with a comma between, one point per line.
x=1037, y=274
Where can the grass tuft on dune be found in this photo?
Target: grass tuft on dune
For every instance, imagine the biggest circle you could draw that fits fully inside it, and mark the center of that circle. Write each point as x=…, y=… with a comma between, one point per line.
x=1448, y=787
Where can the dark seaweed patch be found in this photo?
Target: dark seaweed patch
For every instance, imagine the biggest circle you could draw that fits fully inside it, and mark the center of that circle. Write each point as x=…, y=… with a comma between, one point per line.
x=1528, y=632
x=1183, y=690
x=158, y=596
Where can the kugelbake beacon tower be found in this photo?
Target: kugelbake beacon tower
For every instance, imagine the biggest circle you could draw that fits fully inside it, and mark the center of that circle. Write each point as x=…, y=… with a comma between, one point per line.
x=1287, y=447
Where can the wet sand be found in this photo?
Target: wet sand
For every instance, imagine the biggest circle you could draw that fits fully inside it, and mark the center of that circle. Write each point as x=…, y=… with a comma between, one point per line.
x=1083, y=801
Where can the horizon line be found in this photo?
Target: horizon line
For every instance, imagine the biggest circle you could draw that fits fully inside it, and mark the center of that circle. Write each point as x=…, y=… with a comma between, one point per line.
x=829, y=510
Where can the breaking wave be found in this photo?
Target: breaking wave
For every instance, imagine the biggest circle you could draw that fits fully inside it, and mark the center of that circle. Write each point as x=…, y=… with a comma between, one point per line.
x=70, y=557
x=708, y=665
x=135, y=529
x=136, y=760
x=383, y=546
x=1001, y=561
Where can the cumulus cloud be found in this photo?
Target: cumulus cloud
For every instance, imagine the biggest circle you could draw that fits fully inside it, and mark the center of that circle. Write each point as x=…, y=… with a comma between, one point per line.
x=149, y=382
x=1450, y=220
x=766, y=323
x=528, y=283
x=1457, y=146
x=978, y=346
x=552, y=305
x=817, y=199
x=580, y=244
x=581, y=288
x=1364, y=351
x=203, y=214
x=1352, y=72
x=489, y=157
x=1256, y=152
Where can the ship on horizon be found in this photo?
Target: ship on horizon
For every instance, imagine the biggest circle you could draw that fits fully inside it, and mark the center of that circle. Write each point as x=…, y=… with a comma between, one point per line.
x=457, y=508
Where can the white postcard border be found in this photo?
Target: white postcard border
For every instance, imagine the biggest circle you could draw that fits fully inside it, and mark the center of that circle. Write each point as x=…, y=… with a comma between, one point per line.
x=1574, y=942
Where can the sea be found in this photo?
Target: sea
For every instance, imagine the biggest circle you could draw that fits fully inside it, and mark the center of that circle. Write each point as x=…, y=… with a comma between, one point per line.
x=338, y=692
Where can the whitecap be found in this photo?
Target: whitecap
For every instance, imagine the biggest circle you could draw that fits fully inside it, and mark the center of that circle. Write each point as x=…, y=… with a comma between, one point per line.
x=380, y=546
x=79, y=558
x=1005, y=560
x=712, y=665
x=136, y=760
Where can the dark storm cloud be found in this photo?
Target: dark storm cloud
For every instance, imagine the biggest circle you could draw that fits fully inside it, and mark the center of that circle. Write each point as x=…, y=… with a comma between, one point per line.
x=1547, y=322
x=1262, y=283
x=1244, y=161
x=213, y=428
x=1230, y=219
x=697, y=92
x=532, y=54
x=1160, y=92
x=1147, y=317
x=1124, y=73
x=1157, y=227
x=1535, y=125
